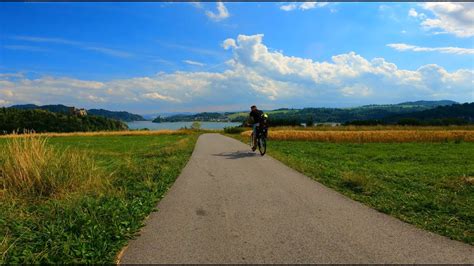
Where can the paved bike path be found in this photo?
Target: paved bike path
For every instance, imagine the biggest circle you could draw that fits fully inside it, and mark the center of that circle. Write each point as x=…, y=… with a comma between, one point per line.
x=230, y=205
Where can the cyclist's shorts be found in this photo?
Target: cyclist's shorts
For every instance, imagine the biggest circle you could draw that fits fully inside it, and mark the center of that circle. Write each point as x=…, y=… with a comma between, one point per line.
x=254, y=128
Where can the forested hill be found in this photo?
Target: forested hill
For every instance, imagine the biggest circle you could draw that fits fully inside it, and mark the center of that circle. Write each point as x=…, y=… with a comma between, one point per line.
x=122, y=115
x=366, y=112
x=38, y=120
x=429, y=103
x=452, y=114
x=59, y=108
x=194, y=117
x=55, y=108
x=284, y=116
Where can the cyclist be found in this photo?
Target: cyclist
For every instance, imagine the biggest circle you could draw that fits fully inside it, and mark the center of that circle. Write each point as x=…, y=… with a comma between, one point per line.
x=258, y=118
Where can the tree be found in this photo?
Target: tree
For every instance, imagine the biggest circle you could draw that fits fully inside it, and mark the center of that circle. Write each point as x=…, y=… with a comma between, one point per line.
x=196, y=125
x=310, y=122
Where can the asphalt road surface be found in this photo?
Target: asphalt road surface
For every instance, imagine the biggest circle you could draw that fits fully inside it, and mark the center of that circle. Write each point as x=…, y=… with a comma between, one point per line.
x=230, y=205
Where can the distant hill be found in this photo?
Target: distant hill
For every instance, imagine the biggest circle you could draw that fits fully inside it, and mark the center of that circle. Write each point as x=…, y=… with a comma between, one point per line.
x=205, y=116
x=285, y=116
x=452, y=114
x=416, y=104
x=59, y=108
x=122, y=115
x=365, y=112
x=164, y=114
x=430, y=103
x=55, y=108
x=14, y=119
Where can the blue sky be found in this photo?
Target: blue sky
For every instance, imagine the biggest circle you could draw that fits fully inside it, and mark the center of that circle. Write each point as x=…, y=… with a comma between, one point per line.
x=161, y=57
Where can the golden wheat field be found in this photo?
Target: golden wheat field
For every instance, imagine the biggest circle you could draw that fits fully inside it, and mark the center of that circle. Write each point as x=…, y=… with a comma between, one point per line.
x=377, y=127
x=371, y=135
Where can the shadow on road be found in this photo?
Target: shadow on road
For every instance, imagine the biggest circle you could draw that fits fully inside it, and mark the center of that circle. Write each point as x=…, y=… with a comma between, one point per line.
x=236, y=155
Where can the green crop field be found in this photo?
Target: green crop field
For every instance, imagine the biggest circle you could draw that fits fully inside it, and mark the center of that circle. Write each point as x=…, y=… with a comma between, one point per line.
x=430, y=185
x=89, y=221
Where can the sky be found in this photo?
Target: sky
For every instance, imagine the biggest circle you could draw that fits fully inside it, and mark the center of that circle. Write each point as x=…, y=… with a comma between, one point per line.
x=220, y=56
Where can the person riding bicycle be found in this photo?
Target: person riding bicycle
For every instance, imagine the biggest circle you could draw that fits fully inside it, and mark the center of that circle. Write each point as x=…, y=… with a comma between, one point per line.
x=258, y=118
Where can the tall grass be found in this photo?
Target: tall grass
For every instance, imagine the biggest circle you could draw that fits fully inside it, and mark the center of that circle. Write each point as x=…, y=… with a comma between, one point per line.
x=33, y=168
x=113, y=133
x=103, y=133
x=372, y=135
x=234, y=130
x=75, y=224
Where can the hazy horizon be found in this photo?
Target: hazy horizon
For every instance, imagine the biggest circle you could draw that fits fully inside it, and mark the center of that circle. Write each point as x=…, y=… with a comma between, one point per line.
x=149, y=114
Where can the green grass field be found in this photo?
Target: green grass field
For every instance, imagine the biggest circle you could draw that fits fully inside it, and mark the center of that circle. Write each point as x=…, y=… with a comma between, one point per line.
x=430, y=185
x=93, y=226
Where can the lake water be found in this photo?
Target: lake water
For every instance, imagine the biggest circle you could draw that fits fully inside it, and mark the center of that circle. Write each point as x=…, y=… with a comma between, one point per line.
x=177, y=125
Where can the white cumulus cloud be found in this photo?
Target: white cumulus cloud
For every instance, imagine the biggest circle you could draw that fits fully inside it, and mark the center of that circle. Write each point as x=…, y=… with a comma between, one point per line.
x=157, y=96
x=254, y=75
x=222, y=12
x=228, y=43
x=302, y=6
x=311, y=5
x=412, y=13
x=452, y=18
x=288, y=7
x=356, y=90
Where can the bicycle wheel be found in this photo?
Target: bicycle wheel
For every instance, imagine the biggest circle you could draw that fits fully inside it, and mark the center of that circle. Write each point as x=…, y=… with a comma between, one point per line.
x=262, y=145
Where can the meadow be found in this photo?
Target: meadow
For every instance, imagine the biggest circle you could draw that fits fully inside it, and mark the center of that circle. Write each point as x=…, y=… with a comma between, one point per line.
x=421, y=176
x=78, y=198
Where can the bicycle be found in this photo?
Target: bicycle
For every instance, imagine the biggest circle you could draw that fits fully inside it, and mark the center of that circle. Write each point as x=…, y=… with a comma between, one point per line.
x=262, y=133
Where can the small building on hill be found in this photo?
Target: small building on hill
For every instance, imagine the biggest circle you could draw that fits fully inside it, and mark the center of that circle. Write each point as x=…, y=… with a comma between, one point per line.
x=76, y=111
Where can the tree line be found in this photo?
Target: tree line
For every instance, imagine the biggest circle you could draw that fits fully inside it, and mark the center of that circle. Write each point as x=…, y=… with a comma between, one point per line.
x=16, y=120
x=456, y=114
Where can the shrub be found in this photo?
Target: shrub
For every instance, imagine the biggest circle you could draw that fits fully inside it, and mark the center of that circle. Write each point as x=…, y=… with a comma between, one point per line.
x=356, y=182
x=33, y=168
x=370, y=122
x=409, y=122
x=234, y=130
x=196, y=125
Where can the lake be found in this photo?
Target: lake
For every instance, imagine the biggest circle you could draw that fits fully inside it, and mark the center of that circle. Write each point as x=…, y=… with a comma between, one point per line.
x=177, y=125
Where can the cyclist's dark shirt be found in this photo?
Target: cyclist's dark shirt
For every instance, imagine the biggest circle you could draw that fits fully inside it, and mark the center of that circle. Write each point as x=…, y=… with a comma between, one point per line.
x=257, y=116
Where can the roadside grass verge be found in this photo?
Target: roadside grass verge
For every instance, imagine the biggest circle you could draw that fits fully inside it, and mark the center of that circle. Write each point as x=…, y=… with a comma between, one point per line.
x=430, y=185
x=86, y=196
x=109, y=133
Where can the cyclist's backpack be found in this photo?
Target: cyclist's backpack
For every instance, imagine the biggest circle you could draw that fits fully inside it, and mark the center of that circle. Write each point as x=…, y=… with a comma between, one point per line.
x=264, y=119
